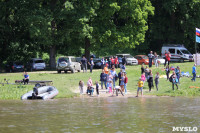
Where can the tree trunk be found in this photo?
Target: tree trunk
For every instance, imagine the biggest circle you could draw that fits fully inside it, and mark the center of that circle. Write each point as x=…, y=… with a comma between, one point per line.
x=87, y=48
x=52, y=61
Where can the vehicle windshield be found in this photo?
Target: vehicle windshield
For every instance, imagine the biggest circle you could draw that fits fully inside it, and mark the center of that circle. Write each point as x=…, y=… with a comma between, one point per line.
x=39, y=61
x=18, y=63
x=119, y=56
x=185, y=52
x=64, y=59
x=144, y=57
x=96, y=59
x=128, y=56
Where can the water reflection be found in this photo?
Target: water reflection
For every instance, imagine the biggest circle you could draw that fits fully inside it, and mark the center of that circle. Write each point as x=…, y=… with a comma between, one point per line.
x=112, y=114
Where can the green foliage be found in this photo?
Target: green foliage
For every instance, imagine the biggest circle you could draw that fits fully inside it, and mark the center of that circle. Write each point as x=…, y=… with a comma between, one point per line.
x=174, y=22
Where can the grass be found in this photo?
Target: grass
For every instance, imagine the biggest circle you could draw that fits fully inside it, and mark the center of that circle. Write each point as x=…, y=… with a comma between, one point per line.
x=66, y=83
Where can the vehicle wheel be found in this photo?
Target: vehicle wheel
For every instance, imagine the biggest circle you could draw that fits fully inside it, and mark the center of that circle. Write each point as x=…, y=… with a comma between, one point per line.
x=65, y=71
x=59, y=71
x=73, y=70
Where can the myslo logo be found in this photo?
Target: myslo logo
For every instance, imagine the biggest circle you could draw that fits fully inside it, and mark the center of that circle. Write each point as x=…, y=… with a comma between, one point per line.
x=186, y=129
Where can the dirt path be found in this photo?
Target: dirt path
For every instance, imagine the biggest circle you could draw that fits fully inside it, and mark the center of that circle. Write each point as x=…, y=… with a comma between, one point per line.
x=103, y=93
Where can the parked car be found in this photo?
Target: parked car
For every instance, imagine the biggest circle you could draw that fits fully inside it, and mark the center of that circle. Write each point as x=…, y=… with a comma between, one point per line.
x=14, y=67
x=78, y=59
x=178, y=52
x=161, y=60
x=142, y=59
x=68, y=63
x=129, y=59
x=97, y=62
x=36, y=64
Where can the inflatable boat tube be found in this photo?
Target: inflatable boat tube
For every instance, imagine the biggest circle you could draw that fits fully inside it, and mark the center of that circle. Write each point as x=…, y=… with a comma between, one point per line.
x=45, y=92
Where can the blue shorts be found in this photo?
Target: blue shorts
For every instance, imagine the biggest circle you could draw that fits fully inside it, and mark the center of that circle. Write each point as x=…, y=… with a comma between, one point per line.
x=139, y=88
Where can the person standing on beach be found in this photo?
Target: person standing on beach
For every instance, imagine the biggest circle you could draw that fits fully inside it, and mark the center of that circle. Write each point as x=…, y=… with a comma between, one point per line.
x=122, y=82
x=140, y=87
x=91, y=63
x=194, y=71
x=156, y=59
x=110, y=87
x=157, y=80
x=81, y=85
x=113, y=73
x=108, y=79
x=106, y=69
x=119, y=76
x=112, y=62
x=178, y=73
x=124, y=60
x=167, y=70
x=125, y=82
x=116, y=62
x=84, y=64
x=146, y=70
x=89, y=86
x=103, y=62
x=150, y=81
x=174, y=80
x=123, y=68
x=151, y=56
x=165, y=58
x=103, y=77
x=143, y=78
x=97, y=88
x=168, y=57
x=142, y=69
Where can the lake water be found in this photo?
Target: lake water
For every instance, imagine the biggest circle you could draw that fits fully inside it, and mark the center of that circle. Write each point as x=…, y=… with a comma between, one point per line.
x=109, y=115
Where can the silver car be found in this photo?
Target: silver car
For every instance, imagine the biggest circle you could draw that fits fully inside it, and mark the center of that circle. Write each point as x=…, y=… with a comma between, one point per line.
x=36, y=64
x=68, y=63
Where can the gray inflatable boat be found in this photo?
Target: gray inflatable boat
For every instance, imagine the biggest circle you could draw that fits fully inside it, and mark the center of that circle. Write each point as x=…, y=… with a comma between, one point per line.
x=45, y=92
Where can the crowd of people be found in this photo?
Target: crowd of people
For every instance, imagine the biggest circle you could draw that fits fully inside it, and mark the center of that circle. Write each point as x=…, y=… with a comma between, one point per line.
x=110, y=62
x=108, y=76
x=108, y=79
x=154, y=57
x=146, y=73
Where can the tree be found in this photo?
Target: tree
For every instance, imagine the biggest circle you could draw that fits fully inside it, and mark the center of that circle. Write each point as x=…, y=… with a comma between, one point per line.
x=113, y=24
x=174, y=22
x=67, y=26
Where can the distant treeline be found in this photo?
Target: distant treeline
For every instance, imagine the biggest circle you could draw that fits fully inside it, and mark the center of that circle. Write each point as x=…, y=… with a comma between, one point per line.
x=30, y=28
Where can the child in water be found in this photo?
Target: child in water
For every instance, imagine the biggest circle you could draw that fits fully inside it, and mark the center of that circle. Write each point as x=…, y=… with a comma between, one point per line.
x=81, y=85
x=110, y=86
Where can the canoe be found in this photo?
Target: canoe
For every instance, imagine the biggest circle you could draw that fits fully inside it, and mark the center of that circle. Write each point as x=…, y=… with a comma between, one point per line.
x=44, y=92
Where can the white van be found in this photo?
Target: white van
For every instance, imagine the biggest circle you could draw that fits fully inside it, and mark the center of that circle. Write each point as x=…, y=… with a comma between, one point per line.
x=178, y=52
